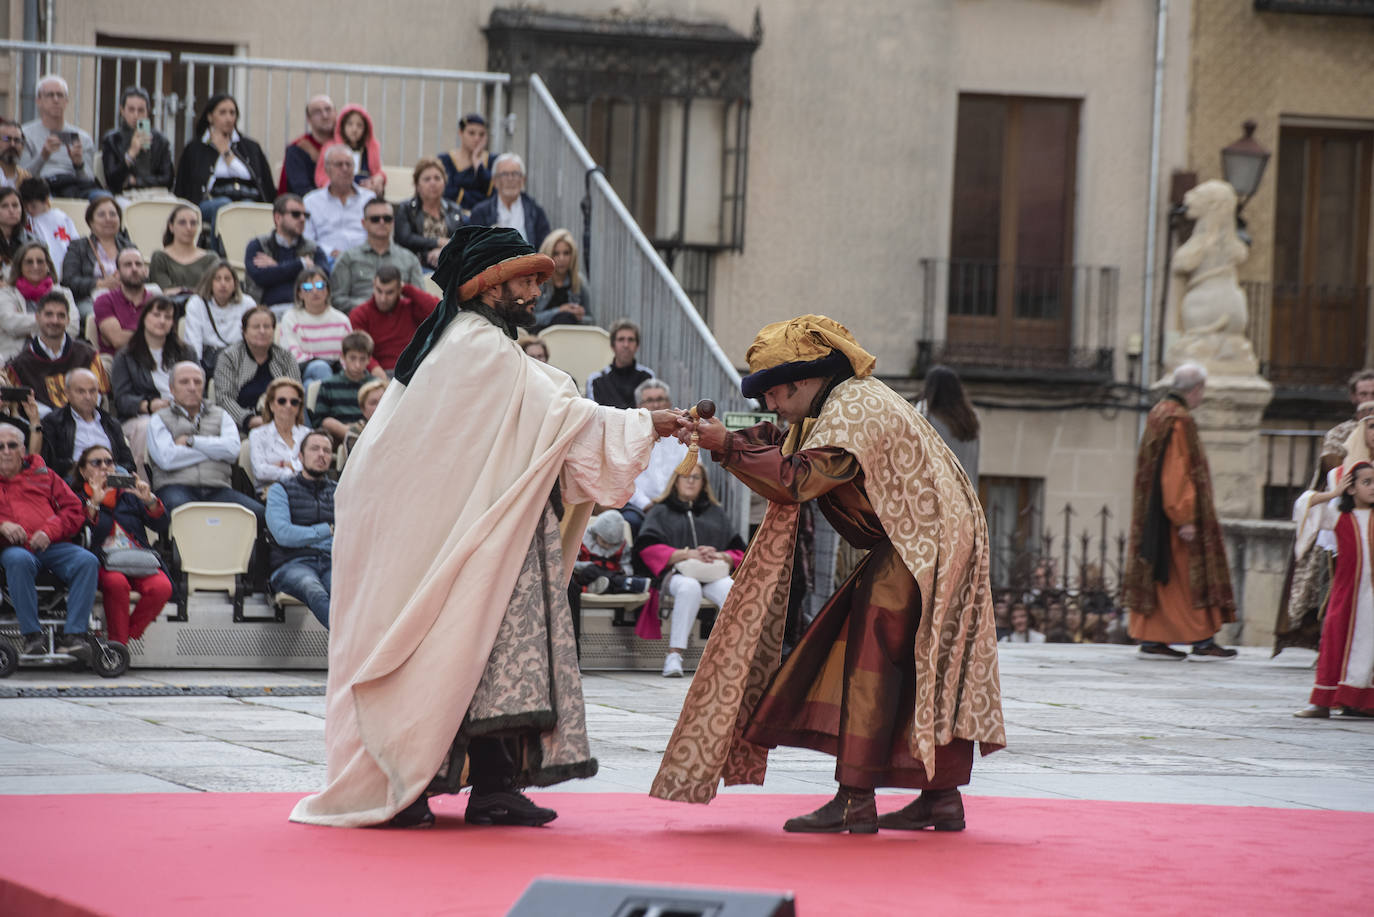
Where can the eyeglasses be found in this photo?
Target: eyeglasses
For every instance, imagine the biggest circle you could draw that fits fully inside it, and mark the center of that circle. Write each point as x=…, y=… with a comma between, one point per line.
x=11, y=138
x=52, y=94
x=7, y=446
x=313, y=285
x=101, y=463
x=381, y=218
x=296, y=214
x=503, y=175
x=294, y=402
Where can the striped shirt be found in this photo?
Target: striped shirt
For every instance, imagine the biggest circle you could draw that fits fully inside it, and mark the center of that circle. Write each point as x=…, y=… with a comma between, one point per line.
x=310, y=337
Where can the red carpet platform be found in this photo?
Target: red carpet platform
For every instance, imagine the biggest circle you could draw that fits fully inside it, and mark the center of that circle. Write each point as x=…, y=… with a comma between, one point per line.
x=235, y=854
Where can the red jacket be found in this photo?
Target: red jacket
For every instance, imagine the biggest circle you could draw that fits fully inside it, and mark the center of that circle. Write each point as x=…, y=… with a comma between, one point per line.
x=392, y=331
x=39, y=500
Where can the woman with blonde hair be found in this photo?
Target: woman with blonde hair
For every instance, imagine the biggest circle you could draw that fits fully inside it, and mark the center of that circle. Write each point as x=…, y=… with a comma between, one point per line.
x=275, y=446
x=563, y=300
x=689, y=546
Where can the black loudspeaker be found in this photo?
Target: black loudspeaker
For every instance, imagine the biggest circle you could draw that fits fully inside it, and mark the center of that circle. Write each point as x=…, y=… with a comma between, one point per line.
x=568, y=898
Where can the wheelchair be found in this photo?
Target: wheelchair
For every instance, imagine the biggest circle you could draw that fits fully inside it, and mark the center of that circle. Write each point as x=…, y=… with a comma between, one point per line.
x=108, y=659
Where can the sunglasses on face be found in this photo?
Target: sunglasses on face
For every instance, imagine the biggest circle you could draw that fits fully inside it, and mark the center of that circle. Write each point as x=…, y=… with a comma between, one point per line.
x=381, y=218
x=101, y=462
x=297, y=214
x=313, y=285
x=294, y=402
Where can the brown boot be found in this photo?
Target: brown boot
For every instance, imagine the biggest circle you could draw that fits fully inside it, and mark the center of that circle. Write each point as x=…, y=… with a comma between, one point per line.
x=942, y=810
x=851, y=810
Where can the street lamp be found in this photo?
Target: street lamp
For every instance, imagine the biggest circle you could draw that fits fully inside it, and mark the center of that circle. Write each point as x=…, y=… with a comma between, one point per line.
x=1243, y=165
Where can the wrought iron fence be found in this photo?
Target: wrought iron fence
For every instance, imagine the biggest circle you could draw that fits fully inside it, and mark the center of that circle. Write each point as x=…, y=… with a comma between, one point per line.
x=1042, y=554
x=628, y=278
x=1308, y=334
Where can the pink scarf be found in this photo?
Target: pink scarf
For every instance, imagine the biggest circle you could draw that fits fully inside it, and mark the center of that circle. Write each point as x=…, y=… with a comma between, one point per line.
x=32, y=291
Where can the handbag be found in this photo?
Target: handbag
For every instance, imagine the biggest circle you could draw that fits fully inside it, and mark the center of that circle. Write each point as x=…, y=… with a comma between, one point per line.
x=235, y=189
x=133, y=562
x=701, y=571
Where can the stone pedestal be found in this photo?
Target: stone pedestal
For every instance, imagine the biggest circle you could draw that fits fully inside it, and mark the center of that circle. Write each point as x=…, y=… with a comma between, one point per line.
x=1228, y=423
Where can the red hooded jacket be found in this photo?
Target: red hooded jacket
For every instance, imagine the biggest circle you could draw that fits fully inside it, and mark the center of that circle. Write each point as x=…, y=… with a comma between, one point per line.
x=39, y=500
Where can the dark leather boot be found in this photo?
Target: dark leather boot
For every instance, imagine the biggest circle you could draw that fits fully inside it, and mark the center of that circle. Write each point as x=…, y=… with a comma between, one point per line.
x=851, y=810
x=415, y=815
x=942, y=810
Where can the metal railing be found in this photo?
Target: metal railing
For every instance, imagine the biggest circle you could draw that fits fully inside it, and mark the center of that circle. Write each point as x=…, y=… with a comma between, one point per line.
x=628, y=278
x=1291, y=459
x=415, y=111
x=1308, y=334
x=93, y=98
x=999, y=315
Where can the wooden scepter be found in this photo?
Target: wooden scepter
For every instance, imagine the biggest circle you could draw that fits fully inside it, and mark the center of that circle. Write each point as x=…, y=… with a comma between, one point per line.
x=704, y=409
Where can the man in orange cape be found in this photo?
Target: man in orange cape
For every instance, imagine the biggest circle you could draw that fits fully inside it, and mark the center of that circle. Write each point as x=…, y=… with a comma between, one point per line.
x=897, y=675
x=451, y=656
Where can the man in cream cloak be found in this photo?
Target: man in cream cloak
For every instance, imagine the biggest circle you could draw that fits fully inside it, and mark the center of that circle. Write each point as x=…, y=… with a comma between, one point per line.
x=451, y=659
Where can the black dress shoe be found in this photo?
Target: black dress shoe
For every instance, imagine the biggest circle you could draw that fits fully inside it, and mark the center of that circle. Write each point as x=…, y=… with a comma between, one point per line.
x=1357, y=713
x=1160, y=651
x=415, y=815
x=1213, y=651
x=851, y=810
x=942, y=810
x=34, y=645
x=75, y=645
x=506, y=807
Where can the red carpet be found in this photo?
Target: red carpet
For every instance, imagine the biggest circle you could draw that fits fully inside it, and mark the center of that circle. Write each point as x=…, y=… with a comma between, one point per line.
x=235, y=854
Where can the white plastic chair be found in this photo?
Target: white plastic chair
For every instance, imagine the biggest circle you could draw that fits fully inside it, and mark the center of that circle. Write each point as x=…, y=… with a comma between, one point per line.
x=578, y=350
x=214, y=544
x=237, y=224
x=146, y=221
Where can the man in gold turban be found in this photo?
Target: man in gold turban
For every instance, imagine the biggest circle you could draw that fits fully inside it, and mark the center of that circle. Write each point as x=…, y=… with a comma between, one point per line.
x=897, y=675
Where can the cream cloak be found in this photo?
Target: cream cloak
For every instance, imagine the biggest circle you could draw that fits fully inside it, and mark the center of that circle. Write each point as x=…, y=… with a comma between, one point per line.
x=434, y=516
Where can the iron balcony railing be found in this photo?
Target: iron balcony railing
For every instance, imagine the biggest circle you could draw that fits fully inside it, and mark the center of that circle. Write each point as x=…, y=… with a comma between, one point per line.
x=629, y=279
x=1308, y=334
x=1318, y=7
x=998, y=316
x=95, y=77
x=1291, y=460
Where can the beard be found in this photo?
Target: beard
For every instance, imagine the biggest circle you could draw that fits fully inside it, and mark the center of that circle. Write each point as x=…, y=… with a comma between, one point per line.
x=516, y=312
x=9, y=156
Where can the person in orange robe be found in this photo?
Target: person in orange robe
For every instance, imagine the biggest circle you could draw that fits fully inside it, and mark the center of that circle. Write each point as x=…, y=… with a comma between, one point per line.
x=1177, y=585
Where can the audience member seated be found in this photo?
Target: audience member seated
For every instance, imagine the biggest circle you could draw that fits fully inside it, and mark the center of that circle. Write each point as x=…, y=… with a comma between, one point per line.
x=117, y=309
x=467, y=168
x=12, y=174
x=142, y=372
x=244, y=369
x=535, y=347
x=1001, y=613
x=355, y=132
x=667, y=454
x=690, y=547
x=354, y=270
x=38, y=514
x=137, y=159
x=313, y=330
x=33, y=277
x=334, y=213
x=178, y=266
x=603, y=564
x=300, y=517
x=275, y=259
x=510, y=206
x=336, y=403
x=1022, y=626
x=274, y=447
x=426, y=221
x=27, y=416
x=53, y=351
x=90, y=267
x=13, y=235
x=219, y=165
x=369, y=396
x=49, y=225
x=615, y=385
x=392, y=315
x=214, y=314
x=56, y=149
x=1073, y=622
x=193, y=446
x=119, y=520
x=70, y=430
x=1055, y=623
x=298, y=165
x=563, y=299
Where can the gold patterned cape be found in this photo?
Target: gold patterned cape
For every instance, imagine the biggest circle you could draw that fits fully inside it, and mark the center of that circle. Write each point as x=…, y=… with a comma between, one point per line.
x=931, y=513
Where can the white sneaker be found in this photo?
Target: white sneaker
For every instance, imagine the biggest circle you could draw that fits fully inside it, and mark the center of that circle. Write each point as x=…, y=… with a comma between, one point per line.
x=672, y=666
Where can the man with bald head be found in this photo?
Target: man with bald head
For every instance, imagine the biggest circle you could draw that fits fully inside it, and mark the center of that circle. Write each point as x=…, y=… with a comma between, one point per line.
x=80, y=423
x=1177, y=584
x=335, y=221
x=193, y=446
x=38, y=514
x=298, y=167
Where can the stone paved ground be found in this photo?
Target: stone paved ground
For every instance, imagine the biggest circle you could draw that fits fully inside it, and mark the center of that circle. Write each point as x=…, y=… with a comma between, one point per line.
x=1083, y=722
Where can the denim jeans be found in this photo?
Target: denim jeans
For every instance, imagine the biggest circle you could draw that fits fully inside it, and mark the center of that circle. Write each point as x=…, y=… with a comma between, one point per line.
x=307, y=579
x=173, y=495
x=73, y=564
x=315, y=369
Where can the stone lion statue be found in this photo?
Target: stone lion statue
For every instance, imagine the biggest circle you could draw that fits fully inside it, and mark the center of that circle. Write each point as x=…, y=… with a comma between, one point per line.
x=1211, y=315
